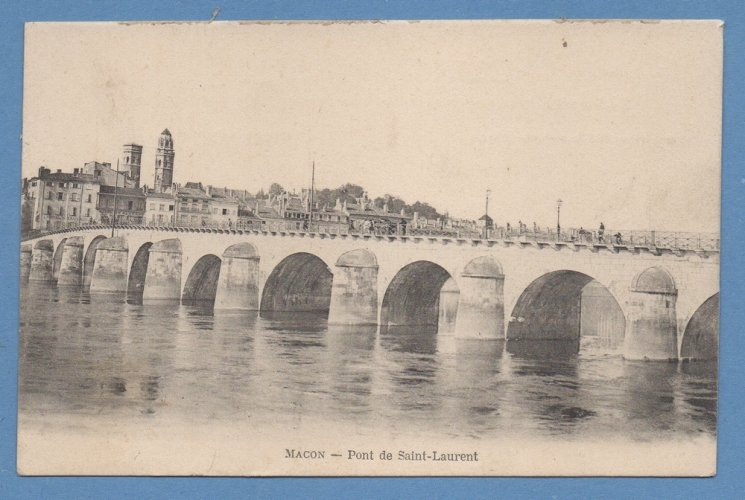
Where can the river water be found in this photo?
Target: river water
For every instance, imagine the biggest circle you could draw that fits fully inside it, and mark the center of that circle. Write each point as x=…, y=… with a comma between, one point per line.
x=103, y=358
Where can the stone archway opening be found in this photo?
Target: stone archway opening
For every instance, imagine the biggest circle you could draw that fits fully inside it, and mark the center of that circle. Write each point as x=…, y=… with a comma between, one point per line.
x=602, y=322
x=701, y=337
x=90, y=259
x=58, y=258
x=138, y=273
x=201, y=284
x=413, y=295
x=302, y=282
x=565, y=305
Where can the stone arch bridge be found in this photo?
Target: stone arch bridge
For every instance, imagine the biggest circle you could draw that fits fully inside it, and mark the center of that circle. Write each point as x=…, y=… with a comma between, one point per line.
x=666, y=298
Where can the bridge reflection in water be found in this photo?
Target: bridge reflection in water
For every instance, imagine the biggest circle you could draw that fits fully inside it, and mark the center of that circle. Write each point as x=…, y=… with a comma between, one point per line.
x=98, y=354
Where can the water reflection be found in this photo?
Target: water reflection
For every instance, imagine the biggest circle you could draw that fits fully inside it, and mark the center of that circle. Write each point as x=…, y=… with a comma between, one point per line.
x=649, y=394
x=349, y=361
x=106, y=354
x=478, y=366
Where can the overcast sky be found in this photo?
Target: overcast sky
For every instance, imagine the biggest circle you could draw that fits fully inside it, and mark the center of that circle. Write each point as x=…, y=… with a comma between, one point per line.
x=622, y=121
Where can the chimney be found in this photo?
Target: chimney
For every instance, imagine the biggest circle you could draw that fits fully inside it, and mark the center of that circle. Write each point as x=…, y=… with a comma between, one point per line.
x=59, y=170
x=76, y=171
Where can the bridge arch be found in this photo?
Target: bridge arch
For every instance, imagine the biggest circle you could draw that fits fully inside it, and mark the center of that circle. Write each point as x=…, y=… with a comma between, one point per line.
x=701, y=337
x=138, y=273
x=201, y=284
x=550, y=308
x=300, y=282
x=58, y=258
x=413, y=295
x=89, y=260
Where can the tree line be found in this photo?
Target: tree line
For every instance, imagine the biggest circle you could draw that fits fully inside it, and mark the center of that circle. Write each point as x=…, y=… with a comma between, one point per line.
x=350, y=192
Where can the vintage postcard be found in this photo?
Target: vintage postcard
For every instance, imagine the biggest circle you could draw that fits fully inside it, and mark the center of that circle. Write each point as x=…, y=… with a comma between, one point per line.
x=370, y=248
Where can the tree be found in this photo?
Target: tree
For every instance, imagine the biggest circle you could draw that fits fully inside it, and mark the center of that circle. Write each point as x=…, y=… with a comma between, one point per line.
x=425, y=210
x=275, y=189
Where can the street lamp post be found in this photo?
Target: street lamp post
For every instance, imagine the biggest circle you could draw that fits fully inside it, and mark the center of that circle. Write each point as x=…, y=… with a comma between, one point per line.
x=558, y=219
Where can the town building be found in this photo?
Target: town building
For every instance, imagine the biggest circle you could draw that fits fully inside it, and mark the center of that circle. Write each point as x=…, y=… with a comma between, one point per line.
x=61, y=200
x=130, y=205
x=224, y=210
x=160, y=208
x=192, y=206
x=107, y=175
x=364, y=216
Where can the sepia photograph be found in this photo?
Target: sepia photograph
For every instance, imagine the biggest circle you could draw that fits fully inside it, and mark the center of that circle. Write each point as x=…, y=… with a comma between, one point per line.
x=398, y=248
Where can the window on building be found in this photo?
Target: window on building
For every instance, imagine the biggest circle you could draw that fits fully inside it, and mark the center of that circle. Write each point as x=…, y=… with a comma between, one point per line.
x=170, y=208
x=74, y=211
x=49, y=195
x=130, y=205
x=88, y=200
x=162, y=207
x=74, y=197
x=87, y=212
x=225, y=211
x=160, y=217
x=61, y=211
x=61, y=184
x=214, y=211
x=184, y=218
x=33, y=184
x=49, y=210
x=75, y=185
x=60, y=196
x=152, y=206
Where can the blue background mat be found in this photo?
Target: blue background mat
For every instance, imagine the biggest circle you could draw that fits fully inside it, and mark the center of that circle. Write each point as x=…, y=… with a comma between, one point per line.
x=730, y=480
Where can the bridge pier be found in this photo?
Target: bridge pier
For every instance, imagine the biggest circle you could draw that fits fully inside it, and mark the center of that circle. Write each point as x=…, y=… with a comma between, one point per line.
x=163, y=279
x=449, y=295
x=354, y=294
x=481, y=301
x=238, y=285
x=651, y=327
x=110, y=267
x=42, y=261
x=26, y=257
x=71, y=268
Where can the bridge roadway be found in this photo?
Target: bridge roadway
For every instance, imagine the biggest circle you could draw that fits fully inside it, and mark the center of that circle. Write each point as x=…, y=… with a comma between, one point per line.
x=669, y=298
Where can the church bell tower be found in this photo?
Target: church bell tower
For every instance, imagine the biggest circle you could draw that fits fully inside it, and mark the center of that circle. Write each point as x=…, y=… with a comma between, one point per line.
x=132, y=162
x=164, y=162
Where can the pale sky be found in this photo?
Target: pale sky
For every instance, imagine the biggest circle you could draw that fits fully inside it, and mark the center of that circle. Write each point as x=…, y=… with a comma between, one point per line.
x=623, y=123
